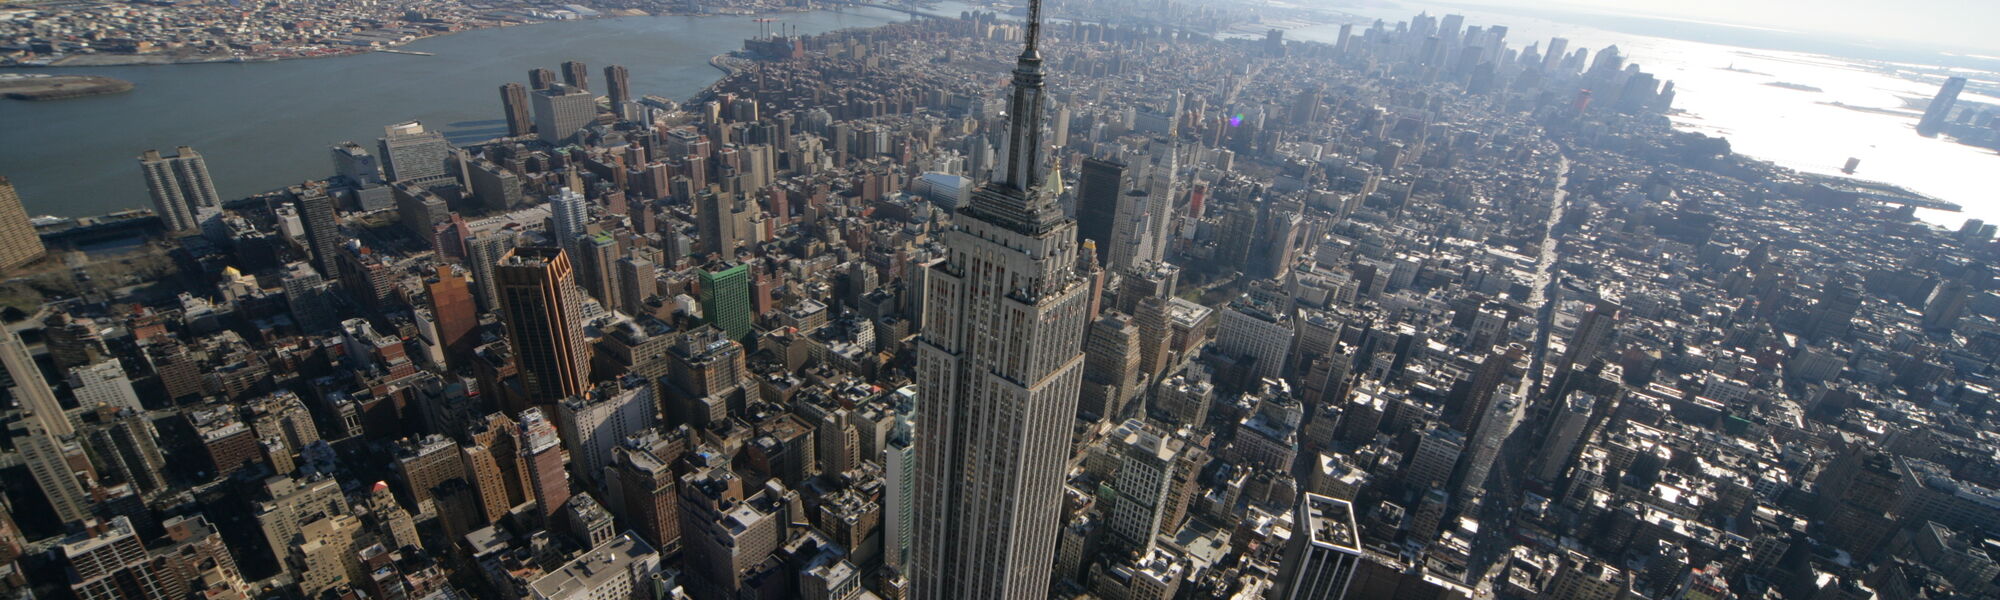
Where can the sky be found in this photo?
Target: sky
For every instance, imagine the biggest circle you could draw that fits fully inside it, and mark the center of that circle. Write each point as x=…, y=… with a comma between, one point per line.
x=1939, y=24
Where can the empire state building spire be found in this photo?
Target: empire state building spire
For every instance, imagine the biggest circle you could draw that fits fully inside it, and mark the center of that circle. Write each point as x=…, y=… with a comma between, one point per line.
x=1017, y=197
x=999, y=370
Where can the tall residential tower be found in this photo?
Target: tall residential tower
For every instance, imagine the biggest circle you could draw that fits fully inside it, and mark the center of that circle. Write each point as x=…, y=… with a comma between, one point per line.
x=180, y=187
x=514, y=102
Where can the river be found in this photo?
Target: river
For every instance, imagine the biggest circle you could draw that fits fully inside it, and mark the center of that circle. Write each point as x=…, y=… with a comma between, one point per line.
x=266, y=125
x=1801, y=129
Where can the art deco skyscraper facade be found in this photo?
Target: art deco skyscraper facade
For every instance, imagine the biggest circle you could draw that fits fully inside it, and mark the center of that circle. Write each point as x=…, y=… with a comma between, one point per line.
x=541, y=303
x=180, y=187
x=19, y=245
x=998, y=368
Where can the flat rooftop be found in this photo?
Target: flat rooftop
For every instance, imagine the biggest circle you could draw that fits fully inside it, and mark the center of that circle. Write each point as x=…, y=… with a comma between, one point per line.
x=1330, y=522
x=607, y=562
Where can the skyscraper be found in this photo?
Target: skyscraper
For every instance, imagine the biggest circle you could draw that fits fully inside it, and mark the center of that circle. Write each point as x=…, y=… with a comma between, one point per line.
x=409, y=153
x=1554, y=56
x=899, y=460
x=60, y=467
x=452, y=306
x=19, y=245
x=1143, y=482
x=109, y=561
x=127, y=446
x=1494, y=369
x=595, y=422
x=637, y=280
x=308, y=297
x=725, y=298
x=999, y=366
x=542, y=457
x=1110, y=367
x=1142, y=215
x=180, y=187
x=618, y=85
x=647, y=483
x=561, y=111
x=1594, y=335
x=45, y=437
x=1259, y=333
x=355, y=166
x=568, y=214
x=1097, y=202
x=576, y=75
x=1940, y=107
x=103, y=384
x=1483, y=429
x=1162, y=189
x=719, y=223
x=514, y=101
x=423, y=464
x=322, y=227
x=1322, y=553
x=483, y=252
x=598, y=254
x=26, y=387
x=540, y=79
x=541, y=304
x=1130, y=243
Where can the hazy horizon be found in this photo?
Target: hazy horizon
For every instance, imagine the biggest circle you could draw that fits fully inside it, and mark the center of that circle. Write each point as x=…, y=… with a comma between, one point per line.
x=1942, y=25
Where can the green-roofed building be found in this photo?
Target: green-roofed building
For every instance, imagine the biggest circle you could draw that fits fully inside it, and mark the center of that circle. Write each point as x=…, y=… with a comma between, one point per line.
x=725, y=298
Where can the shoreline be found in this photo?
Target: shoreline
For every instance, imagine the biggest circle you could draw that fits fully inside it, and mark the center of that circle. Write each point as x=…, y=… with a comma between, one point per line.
x=45, y=88
x=157, y=60
x=717, y=62
x=722, y=63
x=51, y=201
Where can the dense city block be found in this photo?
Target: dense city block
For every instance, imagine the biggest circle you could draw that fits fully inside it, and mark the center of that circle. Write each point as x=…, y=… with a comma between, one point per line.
x=1003, y=306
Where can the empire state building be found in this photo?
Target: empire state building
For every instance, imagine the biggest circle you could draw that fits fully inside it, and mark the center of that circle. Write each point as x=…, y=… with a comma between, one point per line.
x=999, y=365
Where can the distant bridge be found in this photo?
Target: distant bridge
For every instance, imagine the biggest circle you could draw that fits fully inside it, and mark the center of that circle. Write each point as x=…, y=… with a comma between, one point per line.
x=898, y=8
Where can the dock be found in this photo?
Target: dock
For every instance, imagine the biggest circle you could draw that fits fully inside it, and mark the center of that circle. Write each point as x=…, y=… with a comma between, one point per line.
x=409, y=52
x=1886, y=193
